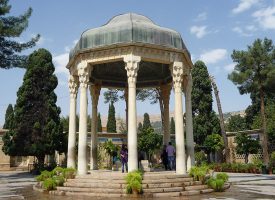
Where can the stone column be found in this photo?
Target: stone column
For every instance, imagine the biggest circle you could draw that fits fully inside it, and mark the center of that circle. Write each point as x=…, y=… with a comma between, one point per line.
x=177, y=72
x=132, y=65
x=165, y=94
x=73, y=87
x=95, y=92
x=189, y=124
x=82, y=140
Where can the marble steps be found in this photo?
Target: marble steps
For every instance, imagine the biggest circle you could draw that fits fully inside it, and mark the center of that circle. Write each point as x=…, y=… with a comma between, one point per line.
x=171, y=180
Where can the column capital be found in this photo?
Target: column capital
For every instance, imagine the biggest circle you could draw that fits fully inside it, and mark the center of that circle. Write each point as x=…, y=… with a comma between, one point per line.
x=73, y=86
x=95, y=92
x=165, y=91
x=83, y=74
x=132, y=66
x=177, y=74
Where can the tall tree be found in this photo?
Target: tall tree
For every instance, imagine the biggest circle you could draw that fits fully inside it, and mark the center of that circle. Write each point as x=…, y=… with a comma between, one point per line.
x=111, y=123
x=9, y=118
x=205, y=119
x=255, y=73
x=37, y=129
x=12, y=27
x=172, y=126
x=99, y=123
x=139, y=127
x=146, y=122
x=216, y=92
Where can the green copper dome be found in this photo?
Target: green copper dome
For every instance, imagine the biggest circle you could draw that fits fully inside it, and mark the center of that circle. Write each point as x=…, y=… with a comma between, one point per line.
x=126, y=29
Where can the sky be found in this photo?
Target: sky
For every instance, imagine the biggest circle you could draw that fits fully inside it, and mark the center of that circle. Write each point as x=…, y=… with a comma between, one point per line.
x=210, y=30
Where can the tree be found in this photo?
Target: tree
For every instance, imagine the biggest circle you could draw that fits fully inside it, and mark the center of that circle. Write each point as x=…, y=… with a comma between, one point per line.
x=255, y=73
x=146, y=121
x=12, y=27
x=139, y=127
x=216, y=92
x=246, y=145
x=37, y=129
x=111, y=123
x=172, y=126
x=204, y=118
x=149, y=141
x=213, y=143
x=99, y=123
x=236, y=123
x=9, y=118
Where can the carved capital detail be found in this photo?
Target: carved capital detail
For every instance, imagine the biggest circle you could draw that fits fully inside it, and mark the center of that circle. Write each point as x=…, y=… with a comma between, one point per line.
x=73, y=86
x=83, y=74
x=177, y=74
x=165, y=91
x=132, y=66
x=95, y=92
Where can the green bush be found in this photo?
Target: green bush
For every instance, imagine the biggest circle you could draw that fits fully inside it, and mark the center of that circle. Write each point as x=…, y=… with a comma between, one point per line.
x=222, y=176
x=57, y=171
x=44, y=175
x=59, y=180
x=200, y=158
x=272, y=160
x=216, y=184
x=134, y=182
x=69, y=173
x=49, y=184
x=199, y=173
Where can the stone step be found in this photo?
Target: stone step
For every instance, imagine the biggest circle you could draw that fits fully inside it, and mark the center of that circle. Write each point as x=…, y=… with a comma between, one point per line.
x=163, y=185
x=196, y=187
x=163, y=190
x=79, y=180
x=102, y=177
x=190, y=192
x=92, y=190
x=87, y=194
x=206, y=191
x=172, y=180
x=163, y=176
x=167, y=194
x=95, y=185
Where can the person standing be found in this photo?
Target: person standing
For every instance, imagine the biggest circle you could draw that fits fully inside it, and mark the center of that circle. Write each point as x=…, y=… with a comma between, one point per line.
x=124, y=157
x=164, y=157
x=171, y=155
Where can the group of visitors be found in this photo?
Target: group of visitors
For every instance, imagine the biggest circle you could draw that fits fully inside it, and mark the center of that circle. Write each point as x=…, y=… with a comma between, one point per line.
x=168, y=157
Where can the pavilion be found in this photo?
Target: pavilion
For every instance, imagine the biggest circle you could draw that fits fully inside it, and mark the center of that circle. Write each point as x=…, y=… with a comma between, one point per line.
x=130, y=52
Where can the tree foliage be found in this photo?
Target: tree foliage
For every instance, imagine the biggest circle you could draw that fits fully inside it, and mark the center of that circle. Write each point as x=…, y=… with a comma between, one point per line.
x=37, y=129
x=139, y=127
x=9, y=118
x=99, y=123
x=149, y=141
x=172, y=126
x=111, y=123
x=146, y=122
x=236, y=123
x=214, y=142
x=205, y=120
x=254, y=73
x=246, y=145
x=12, y=27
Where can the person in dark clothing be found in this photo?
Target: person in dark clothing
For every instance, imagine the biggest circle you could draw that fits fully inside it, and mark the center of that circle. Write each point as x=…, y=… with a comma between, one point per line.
x=124, y=157
x=164, y=157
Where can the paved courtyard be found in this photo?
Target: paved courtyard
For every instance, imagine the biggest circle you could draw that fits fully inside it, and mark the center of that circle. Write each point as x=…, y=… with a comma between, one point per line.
x=18, y=185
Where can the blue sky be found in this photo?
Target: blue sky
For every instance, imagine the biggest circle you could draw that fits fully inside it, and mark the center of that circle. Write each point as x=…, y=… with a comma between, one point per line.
x=210, y=30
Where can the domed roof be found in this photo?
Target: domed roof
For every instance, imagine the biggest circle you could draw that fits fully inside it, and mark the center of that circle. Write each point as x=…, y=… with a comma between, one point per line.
x=129, y=28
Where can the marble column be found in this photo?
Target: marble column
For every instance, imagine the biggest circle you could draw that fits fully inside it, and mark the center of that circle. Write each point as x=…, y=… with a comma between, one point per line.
x=165, y=93
x=82, y=140
x=95, y=92
x=131, y=66
x=177, y=73
x=189, y=124
x=73, y=87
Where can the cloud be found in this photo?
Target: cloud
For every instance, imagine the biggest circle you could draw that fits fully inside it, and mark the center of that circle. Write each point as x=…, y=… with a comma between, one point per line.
x=266, y=17
x=213, y=56
x=244, y=5
x=199, y=31
x=230, y=67
x=239, y=30
x=201, y=17
x=60, y=62
x=69, y=47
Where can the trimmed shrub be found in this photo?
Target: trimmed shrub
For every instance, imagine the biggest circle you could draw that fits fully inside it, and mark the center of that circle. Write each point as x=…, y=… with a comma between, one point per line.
x=44, y=175
x=216, y=184
x=57, y=171
x=49, y=184
x=59, y=180
x=222, y=176
x=69, y=173
x=199, y=173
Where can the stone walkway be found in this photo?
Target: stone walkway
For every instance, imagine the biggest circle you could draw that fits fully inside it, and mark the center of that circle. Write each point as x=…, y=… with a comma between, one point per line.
x=18, y=185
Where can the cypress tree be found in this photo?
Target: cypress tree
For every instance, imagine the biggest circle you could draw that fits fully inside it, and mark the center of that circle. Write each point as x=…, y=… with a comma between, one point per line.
x=146, y=122
x=139, y=127
x=12, y=27
x=204, y=118
x=99, y=124
x=172, y=126
x=37, y=129
x=111, y=123
x=9, y=117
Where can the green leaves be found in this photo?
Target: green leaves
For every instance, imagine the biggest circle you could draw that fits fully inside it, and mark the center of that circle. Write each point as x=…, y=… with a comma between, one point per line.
x=111, y=123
